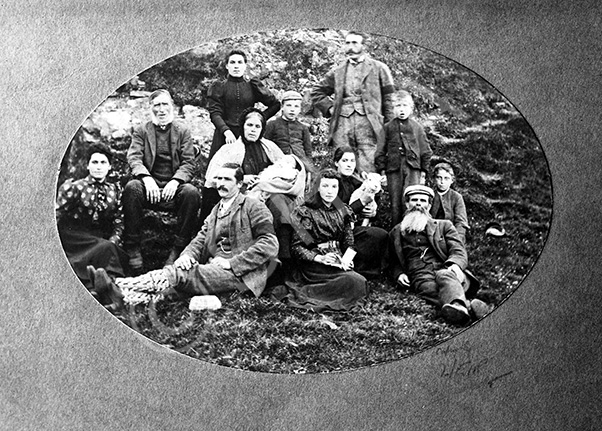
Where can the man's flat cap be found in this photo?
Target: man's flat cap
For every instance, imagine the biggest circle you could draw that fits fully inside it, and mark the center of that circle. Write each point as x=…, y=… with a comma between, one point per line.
x=419, y=190
x=291, y=95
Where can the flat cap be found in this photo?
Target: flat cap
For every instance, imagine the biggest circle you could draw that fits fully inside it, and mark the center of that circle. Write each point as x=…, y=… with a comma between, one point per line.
x=419, y=189
x=291, y=95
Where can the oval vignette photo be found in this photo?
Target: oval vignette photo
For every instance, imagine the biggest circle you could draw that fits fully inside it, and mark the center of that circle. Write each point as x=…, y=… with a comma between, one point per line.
x=303, y=201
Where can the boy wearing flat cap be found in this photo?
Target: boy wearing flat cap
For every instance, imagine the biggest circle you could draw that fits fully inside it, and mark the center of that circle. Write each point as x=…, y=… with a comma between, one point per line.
x=289, y=133
x=429, y=256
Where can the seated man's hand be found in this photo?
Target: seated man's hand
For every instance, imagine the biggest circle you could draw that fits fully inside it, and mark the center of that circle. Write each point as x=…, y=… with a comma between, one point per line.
x=403, y=280
x=221, y=262
x=458, y=272
x=153, y=193
x=184, y=262
x=169, y=191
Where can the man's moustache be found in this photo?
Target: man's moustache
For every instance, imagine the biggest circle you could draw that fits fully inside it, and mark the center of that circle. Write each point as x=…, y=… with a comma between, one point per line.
x=222, y=188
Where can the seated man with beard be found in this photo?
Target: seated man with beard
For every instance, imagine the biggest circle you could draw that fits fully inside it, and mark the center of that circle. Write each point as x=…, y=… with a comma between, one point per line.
x=429, y=256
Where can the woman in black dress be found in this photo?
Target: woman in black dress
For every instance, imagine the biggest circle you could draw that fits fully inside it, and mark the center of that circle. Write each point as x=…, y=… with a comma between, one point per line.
x=321, y=278
x=226, y=101
x=370, y=241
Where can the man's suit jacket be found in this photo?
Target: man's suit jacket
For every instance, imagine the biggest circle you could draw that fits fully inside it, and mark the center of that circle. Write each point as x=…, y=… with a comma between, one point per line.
x=252, y=239
x=377, y=82
x=143, y=150
x=446, y=243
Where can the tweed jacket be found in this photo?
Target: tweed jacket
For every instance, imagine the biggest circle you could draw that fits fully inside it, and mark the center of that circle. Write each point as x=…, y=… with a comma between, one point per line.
x=143, y=149
x=377, y=84
x=454, y=208
x=417, y=149
x=252, y=238
x=446, y=243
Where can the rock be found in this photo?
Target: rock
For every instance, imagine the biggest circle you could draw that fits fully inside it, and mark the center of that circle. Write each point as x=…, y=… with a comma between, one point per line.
x=139, y=94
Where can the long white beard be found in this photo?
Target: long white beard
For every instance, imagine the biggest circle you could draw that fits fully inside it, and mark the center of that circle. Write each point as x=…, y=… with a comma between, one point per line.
x=415, y=221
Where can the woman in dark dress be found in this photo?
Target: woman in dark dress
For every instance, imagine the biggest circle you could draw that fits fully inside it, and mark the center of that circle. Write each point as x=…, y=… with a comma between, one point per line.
x=89, y=220
x=321, y=279
x=226, y=101
x=251, y=150
x=370, y=241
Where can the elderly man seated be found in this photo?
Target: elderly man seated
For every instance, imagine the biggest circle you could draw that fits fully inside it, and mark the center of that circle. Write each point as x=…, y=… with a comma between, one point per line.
x=231, y=252
x=429, y=256
x=162, y=159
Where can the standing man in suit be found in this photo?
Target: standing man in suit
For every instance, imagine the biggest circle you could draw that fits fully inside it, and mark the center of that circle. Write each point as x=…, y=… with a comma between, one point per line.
x=161, y=157
x=361, y=104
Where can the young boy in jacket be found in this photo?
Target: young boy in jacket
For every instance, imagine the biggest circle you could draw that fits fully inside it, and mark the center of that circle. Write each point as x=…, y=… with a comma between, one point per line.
x=405, y=156
x=291, y=135
x=448, y=204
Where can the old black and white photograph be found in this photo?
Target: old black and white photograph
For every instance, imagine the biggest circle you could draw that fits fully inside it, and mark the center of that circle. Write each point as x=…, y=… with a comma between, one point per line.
x=326, y=215
x=303, y=200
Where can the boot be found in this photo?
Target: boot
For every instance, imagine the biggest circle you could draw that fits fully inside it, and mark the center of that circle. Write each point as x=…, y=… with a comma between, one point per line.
x=106, y=290
x=479, y=309
x=455, y=313
x=129, y=290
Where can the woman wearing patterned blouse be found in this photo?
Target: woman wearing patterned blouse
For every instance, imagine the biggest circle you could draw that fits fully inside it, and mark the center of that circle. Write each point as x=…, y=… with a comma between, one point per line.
x=88, y=213
x=323, y=231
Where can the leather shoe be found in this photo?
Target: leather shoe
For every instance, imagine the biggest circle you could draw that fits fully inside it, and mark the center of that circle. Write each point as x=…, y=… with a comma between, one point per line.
x=104, y=287
x=455, y=313
x=479, y=309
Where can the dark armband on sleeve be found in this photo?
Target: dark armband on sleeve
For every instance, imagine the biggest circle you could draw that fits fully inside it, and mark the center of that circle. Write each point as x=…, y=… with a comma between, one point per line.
x=388, y=89
x=263, y=228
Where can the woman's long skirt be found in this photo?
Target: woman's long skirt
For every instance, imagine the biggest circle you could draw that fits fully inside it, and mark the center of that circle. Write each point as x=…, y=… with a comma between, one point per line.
x=84, y=248
x=319, y=287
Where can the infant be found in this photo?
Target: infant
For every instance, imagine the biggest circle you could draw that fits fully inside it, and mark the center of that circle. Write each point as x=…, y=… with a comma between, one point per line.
x=281, y=177
x=285, y=169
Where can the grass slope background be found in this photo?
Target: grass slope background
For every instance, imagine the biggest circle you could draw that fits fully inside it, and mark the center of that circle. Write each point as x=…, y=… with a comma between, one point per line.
x=500, y=170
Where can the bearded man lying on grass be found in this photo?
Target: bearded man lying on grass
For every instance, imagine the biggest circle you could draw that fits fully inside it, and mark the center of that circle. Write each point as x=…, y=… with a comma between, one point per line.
x=429, y=256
